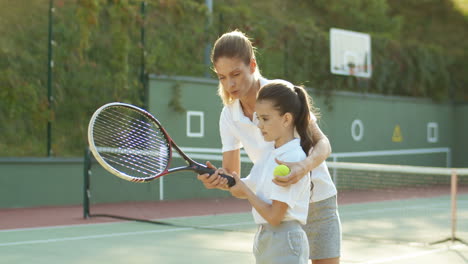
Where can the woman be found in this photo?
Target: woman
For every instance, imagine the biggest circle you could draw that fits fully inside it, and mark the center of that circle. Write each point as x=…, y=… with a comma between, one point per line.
x=233, y=58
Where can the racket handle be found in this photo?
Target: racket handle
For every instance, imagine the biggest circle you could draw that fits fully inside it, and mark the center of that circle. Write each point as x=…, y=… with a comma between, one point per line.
x=202, y=170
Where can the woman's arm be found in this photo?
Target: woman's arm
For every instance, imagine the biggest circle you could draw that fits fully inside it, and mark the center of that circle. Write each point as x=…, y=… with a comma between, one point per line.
x=231, y=163
x=318, y=153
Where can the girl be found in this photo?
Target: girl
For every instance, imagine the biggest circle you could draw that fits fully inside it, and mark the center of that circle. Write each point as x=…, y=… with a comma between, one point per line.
x=234, y=63
x=279, y=211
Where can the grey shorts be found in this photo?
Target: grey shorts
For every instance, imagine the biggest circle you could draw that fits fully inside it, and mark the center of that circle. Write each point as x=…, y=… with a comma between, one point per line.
x=323, y=229
x=283, y=244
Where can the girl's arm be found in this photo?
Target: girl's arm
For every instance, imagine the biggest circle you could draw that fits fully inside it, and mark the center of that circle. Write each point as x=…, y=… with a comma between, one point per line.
x=319, y=153
x=274, y=213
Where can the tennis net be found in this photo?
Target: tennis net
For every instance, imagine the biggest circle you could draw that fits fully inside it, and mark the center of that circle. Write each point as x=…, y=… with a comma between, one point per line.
x=402, y=203
x=410, y=204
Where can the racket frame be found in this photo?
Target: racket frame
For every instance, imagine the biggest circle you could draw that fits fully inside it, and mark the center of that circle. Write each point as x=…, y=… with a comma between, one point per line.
x=191, y=164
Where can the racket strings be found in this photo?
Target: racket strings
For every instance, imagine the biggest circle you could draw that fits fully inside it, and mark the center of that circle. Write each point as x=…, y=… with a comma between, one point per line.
x=144, y=160
x=141, y=161
x=126, y=140
x=129, y=143
x=127, y=132
x=117, y=124
x=129, y=138
x=129, y=160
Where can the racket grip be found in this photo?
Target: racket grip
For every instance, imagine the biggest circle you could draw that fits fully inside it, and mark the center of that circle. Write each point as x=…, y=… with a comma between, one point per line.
x=203, y=169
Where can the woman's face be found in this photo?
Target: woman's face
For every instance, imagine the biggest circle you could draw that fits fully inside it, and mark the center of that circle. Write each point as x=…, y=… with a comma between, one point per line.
x=235, y=76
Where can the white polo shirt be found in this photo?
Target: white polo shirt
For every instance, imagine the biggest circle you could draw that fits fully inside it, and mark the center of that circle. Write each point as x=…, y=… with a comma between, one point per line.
x=296, y=196
x=239, y=131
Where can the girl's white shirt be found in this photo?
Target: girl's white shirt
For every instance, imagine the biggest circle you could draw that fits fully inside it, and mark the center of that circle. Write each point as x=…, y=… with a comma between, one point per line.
x=238, y=131
x=296, y=196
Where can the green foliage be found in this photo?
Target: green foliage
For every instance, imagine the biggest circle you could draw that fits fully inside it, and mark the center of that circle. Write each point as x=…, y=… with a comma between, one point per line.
x=23, y=103
x=174, y=103
x=98, y=54
x=295, y=44
x=444, y=35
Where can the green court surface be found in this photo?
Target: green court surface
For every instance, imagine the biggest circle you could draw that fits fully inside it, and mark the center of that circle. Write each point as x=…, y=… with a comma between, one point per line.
x=400, y=232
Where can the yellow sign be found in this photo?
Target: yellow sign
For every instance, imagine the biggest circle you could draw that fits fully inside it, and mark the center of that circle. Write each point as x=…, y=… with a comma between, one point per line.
x=397, y=136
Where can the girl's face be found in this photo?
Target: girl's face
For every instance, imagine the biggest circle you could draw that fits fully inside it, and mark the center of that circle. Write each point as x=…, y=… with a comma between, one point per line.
x=274, y=127
x=235, y=76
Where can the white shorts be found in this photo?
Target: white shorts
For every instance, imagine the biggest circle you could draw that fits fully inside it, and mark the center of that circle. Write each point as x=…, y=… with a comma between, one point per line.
x=283, y=244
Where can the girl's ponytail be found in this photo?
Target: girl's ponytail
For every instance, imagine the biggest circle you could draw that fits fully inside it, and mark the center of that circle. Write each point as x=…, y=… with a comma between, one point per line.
x=302, y=120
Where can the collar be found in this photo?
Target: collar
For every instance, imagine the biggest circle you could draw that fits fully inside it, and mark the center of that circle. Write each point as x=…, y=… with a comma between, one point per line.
x=287, y=147
x=236, y=110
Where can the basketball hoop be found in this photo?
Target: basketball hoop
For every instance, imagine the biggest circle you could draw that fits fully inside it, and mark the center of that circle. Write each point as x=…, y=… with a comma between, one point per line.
x=350, y=53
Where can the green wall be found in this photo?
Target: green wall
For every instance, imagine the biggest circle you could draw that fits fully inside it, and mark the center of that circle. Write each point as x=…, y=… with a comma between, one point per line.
x=106, y=187
x=460, y=135
x=30, y=182
x=196, y=95
x=40, y=182
x=374, y=120
x=377, y=121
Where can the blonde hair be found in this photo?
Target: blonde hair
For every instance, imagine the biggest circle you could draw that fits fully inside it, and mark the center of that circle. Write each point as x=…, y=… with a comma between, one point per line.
x=234, y=44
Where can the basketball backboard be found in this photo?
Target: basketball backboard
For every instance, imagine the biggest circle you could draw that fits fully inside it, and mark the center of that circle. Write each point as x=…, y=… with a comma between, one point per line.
x=350, y=53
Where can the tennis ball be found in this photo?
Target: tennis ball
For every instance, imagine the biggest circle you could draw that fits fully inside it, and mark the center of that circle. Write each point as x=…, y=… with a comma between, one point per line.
x=281, y=170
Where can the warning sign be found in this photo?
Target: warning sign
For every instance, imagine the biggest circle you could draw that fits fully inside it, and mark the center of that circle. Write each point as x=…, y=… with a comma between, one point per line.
x=397, y=136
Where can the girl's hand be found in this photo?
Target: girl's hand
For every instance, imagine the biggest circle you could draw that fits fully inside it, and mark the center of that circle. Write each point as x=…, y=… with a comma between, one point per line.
x=298, y=170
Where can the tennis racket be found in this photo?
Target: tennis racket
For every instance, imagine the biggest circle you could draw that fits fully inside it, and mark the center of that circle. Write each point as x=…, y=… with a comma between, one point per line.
x=131, y=143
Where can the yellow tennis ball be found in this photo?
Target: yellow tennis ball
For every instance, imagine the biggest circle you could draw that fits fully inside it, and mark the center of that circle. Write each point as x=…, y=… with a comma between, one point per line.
x=281, y=170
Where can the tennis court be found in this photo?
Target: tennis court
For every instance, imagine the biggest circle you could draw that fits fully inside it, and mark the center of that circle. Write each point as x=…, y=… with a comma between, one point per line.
x=391, y=231
x=391, y=92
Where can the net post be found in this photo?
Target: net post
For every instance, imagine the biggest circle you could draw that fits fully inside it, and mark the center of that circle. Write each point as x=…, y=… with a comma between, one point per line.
x=453, y=191
x=86, y=176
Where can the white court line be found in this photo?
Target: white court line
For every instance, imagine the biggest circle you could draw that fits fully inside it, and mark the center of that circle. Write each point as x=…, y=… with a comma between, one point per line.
x=409, y=256
x=45, y=241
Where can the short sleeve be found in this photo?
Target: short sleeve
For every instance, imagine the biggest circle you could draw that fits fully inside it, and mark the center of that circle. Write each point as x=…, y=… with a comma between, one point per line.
x=228, y=132
x=290, y=194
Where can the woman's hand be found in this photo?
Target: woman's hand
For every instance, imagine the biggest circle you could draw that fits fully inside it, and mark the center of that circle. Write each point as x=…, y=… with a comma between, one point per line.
x=298, y=170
